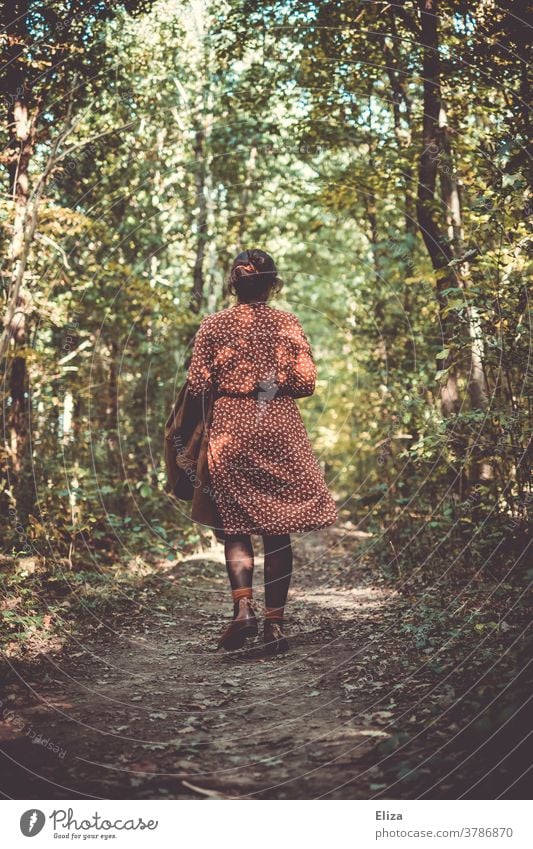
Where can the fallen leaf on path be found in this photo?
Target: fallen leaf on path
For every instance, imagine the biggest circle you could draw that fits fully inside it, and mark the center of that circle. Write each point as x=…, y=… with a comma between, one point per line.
x=203, y=791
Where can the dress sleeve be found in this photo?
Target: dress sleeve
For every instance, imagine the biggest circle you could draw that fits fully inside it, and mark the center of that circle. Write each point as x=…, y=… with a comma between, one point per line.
x=302, y=376
x=199, y=375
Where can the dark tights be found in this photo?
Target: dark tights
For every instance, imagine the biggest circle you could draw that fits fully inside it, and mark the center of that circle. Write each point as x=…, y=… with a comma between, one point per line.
x=278, y=565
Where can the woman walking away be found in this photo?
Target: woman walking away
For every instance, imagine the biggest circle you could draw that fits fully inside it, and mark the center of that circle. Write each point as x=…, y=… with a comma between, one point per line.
x=265, y=478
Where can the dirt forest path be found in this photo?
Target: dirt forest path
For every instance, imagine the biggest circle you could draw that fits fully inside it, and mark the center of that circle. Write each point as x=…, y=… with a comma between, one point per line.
x=147, y=709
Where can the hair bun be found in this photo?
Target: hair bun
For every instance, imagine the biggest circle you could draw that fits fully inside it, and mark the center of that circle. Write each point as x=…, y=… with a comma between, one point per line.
x=253, y=275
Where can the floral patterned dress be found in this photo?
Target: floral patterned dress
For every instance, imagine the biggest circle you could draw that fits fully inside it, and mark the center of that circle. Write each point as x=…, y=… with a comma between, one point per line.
x=265, y=477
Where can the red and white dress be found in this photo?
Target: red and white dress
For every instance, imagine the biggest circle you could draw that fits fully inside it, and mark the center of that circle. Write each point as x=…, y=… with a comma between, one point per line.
x=264, y=475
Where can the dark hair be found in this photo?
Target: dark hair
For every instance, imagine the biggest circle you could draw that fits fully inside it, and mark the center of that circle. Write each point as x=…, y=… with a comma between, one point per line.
x=253, y=276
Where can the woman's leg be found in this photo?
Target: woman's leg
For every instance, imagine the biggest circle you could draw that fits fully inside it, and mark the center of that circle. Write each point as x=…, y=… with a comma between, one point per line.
x=240, y=565
x=278, y=570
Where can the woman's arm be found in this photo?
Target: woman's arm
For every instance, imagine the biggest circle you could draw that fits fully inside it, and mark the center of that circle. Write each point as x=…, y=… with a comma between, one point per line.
x=199, y=374
x=302, y=377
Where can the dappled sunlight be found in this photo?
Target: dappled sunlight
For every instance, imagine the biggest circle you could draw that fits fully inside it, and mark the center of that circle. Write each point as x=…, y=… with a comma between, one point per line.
x=348, y=601
x=215, y=555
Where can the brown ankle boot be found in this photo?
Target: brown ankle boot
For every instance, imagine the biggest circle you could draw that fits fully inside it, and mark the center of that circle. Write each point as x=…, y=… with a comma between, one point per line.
x=243, y=625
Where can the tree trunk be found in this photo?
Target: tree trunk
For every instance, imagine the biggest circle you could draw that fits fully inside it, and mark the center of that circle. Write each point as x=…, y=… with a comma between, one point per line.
x=17, y=416
x=477, y=385
x=201, y=218
x=21, y=134
x=436, y=241
x=403, y=132
x=245, y=197
x=476, y=380
x=112, y=408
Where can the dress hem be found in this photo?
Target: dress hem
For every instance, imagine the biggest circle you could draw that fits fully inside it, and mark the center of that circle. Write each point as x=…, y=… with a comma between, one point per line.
x=270, y=532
